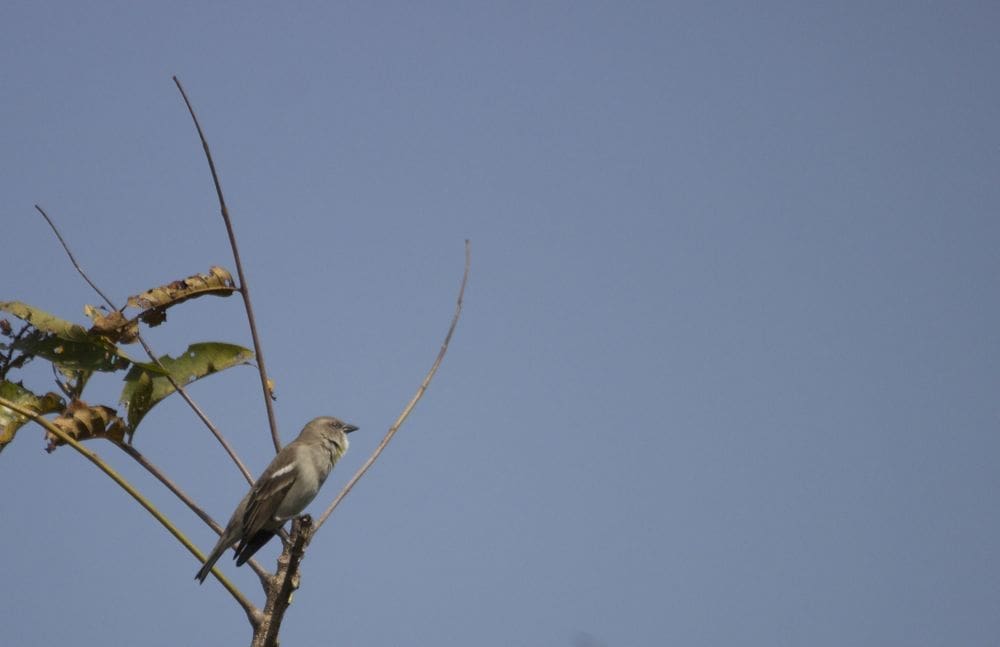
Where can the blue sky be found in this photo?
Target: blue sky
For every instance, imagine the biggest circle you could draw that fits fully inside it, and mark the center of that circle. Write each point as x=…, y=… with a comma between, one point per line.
x=728, y=368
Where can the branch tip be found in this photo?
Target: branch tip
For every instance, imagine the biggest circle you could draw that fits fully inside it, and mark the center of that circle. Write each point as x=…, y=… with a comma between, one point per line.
x=413, y=401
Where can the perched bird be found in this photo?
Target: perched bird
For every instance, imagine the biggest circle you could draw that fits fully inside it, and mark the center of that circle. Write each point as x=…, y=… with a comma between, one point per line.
x=283, y=490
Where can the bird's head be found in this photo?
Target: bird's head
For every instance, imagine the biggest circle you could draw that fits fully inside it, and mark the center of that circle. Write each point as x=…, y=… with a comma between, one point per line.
x=331, y=431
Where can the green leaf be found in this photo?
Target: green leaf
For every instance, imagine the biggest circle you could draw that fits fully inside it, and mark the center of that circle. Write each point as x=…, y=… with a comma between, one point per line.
x=44, y=321
x=90, y=355
x=10, y=421
x=144, y=387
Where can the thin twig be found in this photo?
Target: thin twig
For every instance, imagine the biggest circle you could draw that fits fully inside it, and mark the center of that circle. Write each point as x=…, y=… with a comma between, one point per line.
x=165, y=480
x=188, y=501
x=152, y=356
x=72, y=258
x=8, y=362
x=198, y=412
x=413, y=401
x=244, y=286
x=253, y=614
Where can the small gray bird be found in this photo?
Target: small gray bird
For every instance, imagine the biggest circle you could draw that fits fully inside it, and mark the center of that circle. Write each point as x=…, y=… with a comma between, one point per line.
x=285, y=488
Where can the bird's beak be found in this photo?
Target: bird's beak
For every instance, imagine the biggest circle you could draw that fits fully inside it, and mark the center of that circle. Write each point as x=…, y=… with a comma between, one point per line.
x=349, y=428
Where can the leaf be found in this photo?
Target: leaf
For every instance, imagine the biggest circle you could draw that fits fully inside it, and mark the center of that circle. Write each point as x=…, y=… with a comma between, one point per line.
x=81, y=422
x=154, y=302
x=94, y=354
x=44, y=321
x=145, y=387
x=112, y=326
x=62, y=342
x=10, y=421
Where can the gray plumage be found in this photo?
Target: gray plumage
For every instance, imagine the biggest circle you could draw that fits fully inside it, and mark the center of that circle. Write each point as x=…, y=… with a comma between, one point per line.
x=283, y=490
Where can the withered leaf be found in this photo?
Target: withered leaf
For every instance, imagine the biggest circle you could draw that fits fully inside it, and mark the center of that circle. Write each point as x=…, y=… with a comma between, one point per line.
x=81, y=421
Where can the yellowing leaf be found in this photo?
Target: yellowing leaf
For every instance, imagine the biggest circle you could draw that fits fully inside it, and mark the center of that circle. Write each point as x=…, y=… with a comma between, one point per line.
x=62, y=342
x=44, y=321
x=11, y=421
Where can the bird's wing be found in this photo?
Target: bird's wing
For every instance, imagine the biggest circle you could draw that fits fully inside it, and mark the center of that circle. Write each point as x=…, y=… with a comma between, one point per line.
x=250, y=545
x=266, y=496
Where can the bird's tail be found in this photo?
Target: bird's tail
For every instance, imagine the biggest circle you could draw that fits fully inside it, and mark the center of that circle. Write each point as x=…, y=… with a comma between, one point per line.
x=210, y=562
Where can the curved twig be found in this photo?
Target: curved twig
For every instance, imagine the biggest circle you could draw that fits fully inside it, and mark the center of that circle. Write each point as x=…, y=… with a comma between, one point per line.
x=244, y=287
x=253, y=614
x=413, y=401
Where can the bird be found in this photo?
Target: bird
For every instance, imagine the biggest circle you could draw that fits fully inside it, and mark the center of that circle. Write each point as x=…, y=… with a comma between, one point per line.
x=283, y=490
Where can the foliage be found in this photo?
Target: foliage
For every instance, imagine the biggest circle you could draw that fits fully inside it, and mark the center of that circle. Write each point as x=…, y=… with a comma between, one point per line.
x=76, y=353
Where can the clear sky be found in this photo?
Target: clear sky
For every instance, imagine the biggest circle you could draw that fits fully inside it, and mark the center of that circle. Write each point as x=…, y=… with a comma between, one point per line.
x=728, y=369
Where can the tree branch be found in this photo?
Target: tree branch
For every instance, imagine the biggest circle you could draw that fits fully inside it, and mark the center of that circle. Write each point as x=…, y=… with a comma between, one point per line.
x=413, y=401
x=244, y=286
x=286, y=580
x=253, y=614
x=188, y=501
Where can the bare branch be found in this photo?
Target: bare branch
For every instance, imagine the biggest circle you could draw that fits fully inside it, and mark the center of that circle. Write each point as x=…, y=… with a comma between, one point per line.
x=413, y=401
x=152, y=356
x=165, y=480
x=188, y=501
x=244, y=286
x=253, y=614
